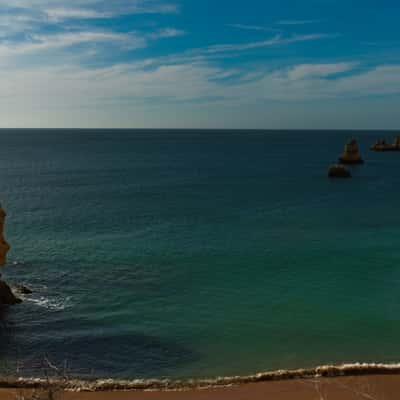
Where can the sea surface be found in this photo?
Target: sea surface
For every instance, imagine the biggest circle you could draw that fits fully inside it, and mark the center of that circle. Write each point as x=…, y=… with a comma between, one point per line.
x=190, y=254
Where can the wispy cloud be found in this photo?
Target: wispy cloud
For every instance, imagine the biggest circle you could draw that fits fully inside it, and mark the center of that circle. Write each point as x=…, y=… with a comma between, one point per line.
x=36, y=26
x=41, y=42
x=166, y=33
x=297, y=22
x=135, y=90
x=58, y=9
x=254, y=28
x=275, y=41
x=100, y=10
x=307, y=71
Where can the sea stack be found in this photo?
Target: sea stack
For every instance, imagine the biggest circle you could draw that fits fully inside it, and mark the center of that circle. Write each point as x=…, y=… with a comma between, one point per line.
x=7, y=297
x=381, y=145
x=351, y=154
x=338, y=171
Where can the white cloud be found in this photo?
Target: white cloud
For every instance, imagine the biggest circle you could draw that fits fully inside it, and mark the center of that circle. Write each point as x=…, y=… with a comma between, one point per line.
x=123, y=91
x=57, y=14
x=319, y=70
x=59, y=9
x=254, y=28
x=166, y=33
x=275, y=41
x=297, y=22
x=41, y=42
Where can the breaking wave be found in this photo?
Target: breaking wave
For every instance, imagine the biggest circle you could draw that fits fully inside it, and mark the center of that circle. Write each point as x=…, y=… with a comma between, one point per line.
x=99, y=385
x=49, y=303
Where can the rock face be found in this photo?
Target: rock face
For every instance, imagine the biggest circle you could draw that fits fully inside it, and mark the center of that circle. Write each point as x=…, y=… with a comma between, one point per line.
x=7, y=297
x=351, y=154
x=4, y=246
x=381, y=145
x=338, y=171
x=22, y=289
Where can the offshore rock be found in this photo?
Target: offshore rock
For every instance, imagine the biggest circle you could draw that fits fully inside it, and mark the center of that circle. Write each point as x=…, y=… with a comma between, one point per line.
x=7, y=297
x=351, y=154
x=22, y=289
x=4, y=246
x=338, y=171
x=381, y=145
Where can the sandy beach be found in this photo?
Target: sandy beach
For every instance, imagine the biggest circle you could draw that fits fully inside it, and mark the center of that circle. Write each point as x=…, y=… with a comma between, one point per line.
x=374, y=387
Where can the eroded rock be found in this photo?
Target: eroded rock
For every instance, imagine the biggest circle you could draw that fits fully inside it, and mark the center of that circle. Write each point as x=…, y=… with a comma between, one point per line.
x=351, y=154
x=338, y=171
x=22, y=289
x=7, y=297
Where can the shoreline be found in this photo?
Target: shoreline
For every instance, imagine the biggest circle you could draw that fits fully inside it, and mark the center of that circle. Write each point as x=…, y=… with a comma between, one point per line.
x=170, y=385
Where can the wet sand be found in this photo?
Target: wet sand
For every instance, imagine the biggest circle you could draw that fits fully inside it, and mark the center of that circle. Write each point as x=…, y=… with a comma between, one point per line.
x=373, y=387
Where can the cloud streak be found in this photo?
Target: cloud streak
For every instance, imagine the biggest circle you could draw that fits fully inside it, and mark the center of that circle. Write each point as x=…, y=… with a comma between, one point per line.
x=297, y=22
x=254, y=28
x=275, y=41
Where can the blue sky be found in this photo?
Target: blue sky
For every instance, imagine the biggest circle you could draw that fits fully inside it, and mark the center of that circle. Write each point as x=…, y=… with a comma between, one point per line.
x=200, y=64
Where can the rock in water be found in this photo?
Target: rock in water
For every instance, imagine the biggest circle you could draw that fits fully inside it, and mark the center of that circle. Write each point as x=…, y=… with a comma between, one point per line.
x=339, y=171
x=21, y=289
x=7, y=297
x=381, y=145
x=4, y=246
x=351, y=154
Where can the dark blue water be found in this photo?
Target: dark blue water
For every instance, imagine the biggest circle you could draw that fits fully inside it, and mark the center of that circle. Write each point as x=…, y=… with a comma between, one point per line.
x=193, y=254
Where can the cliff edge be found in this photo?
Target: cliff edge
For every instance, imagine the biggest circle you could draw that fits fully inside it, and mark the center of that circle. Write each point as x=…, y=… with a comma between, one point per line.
x=7, y=297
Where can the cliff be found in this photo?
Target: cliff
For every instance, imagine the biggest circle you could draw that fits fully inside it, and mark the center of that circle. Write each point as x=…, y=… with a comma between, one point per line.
x=351, y=154
x=381, y=145
x=7, y=297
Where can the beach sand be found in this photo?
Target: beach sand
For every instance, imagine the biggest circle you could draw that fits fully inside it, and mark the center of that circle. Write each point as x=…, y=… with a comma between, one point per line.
x=373, y=387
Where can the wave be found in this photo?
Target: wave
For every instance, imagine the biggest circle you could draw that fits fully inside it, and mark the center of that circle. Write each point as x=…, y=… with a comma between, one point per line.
x=99, y=385
x=49, y=303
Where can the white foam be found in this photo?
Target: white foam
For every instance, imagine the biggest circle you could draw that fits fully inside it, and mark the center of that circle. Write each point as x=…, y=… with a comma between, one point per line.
x=49, y=303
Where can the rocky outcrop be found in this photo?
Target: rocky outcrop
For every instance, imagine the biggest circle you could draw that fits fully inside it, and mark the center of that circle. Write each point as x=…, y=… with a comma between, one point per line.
x=4, y=246
x=351, y=154
x=381, y=145
x=21, y=289
x=7, y=297
x=338, y=171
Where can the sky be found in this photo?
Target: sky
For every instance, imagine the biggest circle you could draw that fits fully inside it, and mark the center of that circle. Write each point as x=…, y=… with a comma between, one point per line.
x=259, y=64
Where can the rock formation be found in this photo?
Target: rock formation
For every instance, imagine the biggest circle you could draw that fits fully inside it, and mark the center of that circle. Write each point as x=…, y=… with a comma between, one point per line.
x=381, y=145
x=22, y=289
x=351, y=154
x=338, y=171
x=4, y=246
x=7, y=297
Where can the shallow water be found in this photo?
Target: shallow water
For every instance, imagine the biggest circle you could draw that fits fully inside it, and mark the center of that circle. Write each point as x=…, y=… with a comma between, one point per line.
x=194, y=254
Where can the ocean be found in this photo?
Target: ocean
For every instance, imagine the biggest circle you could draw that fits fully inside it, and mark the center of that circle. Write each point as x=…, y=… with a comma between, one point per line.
x=192, y=254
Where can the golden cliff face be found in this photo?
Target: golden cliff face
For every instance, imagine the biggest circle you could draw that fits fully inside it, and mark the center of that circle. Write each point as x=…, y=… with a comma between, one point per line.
x=4, y=246
x=351, y=154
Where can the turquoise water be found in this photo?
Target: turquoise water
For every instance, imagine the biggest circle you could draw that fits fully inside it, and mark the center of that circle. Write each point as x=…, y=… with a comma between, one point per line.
x=196, y=254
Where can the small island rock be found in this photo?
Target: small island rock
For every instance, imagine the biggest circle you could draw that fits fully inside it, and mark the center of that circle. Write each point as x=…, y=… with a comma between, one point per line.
x=339, y=171
x=351, y=154
x=381, y=145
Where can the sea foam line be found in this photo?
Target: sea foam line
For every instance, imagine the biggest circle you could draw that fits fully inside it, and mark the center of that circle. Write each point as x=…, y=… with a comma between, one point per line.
x=101, y=385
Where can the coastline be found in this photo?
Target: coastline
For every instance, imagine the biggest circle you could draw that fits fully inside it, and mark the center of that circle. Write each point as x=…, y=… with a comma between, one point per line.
x=361, y=384
x=325, y=372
